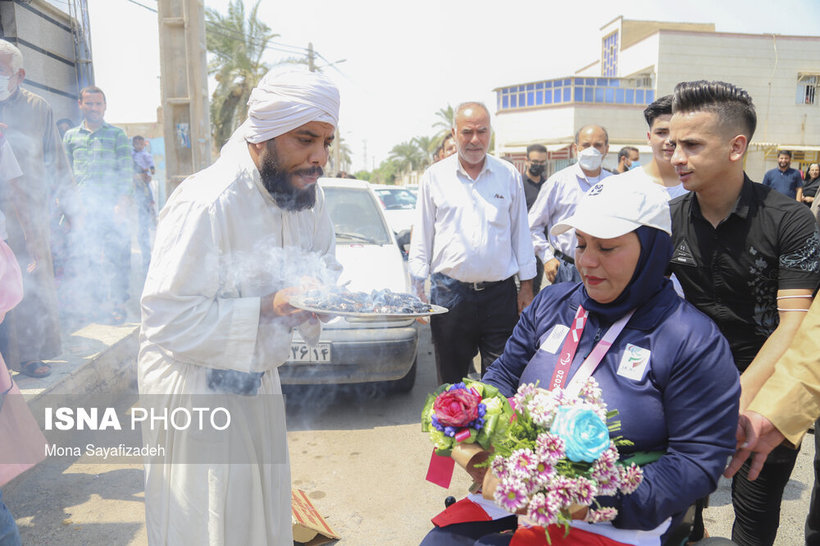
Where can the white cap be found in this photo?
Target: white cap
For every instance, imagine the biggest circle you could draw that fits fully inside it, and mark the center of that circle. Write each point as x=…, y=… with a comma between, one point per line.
x=614, y=207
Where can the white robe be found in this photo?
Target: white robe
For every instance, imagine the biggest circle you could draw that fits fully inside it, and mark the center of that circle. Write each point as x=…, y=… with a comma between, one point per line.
x=222, y=244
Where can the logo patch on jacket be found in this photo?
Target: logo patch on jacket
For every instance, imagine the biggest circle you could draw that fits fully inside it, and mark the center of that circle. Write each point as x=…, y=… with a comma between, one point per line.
x=683, y=255
x=553, y=340
x=499, y=196
x=634, y=362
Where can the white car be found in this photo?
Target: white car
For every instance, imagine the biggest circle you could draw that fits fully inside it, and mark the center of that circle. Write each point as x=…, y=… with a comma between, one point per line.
x=355, y=350
x=399, y=205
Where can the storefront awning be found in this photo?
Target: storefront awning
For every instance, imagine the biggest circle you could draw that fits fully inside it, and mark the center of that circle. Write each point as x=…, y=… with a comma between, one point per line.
x=790, y=147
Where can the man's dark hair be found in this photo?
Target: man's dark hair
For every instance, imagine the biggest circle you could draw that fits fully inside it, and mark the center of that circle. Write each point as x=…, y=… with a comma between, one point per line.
x=92, y=89
x=536, y=148
x=732, y=105
x=661, y=107
x=785, y=152
x=624, y=152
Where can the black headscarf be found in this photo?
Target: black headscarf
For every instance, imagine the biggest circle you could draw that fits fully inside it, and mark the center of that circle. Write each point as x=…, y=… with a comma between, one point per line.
x=647, y=280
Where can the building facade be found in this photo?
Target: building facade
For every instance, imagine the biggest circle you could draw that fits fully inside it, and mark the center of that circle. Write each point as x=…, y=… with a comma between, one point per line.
x=643, y=60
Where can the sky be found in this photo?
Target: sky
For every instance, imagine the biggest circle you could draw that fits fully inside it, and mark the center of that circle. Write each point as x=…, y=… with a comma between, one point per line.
x=398, y=63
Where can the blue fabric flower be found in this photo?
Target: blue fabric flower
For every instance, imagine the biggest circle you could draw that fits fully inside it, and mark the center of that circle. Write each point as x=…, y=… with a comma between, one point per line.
x=585, y=435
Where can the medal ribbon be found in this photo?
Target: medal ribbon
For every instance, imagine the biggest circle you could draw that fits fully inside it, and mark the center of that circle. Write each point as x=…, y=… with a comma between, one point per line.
x=559, y=376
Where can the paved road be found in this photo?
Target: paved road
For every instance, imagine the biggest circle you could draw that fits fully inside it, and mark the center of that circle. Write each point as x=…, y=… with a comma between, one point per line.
x=360, y=457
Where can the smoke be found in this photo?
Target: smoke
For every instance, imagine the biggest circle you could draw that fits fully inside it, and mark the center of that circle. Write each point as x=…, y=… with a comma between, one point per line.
x=445, y=291
x=268, y=267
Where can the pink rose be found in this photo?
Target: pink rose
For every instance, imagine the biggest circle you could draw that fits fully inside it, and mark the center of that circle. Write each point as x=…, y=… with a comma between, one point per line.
x=457, y=407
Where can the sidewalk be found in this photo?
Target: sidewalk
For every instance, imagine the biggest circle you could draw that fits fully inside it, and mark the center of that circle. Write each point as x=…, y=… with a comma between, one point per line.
x=96, y=358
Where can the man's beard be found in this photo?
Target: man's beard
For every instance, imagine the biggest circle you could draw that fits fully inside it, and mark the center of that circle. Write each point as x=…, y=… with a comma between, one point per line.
x=278, y=184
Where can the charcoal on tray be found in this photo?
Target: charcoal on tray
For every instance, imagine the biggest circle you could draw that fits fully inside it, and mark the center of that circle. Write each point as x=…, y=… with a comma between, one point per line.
x=378, y=301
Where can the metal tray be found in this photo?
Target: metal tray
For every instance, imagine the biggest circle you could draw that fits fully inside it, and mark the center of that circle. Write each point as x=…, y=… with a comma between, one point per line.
x=298, y=302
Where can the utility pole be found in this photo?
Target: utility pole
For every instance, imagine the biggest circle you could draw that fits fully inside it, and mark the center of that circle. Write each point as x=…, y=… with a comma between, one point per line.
x=311, y=58
x=184, y=82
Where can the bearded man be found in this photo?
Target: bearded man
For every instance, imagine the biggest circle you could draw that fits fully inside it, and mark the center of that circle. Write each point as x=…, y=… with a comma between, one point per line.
x=233, y=242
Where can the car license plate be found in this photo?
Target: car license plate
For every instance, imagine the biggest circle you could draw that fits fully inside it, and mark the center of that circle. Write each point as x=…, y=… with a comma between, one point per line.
x=302, y=352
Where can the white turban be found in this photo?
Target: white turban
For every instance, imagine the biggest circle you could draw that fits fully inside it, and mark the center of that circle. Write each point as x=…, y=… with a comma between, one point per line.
x=283, y=102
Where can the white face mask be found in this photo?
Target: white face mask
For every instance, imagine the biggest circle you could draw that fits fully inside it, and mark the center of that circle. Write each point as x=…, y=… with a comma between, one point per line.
x=590, y=159
x=4, y=87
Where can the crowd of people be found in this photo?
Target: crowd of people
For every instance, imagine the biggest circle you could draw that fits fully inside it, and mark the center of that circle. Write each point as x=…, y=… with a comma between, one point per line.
x=742, y=254
x=69, y=216
x=66, y=197
x=704, y=277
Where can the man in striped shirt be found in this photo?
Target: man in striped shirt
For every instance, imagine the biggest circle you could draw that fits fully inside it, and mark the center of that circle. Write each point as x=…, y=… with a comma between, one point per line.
x=100, y=155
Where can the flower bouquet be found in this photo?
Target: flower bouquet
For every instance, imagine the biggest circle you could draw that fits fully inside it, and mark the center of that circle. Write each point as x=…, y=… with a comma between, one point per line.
x=556, y=457
x=464, y=420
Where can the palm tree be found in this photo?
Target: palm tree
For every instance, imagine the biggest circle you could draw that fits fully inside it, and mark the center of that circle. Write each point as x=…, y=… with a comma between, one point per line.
x=407, y=156
x=427, y=145
x=445, y=122
x=341, y=150
x=237, y=45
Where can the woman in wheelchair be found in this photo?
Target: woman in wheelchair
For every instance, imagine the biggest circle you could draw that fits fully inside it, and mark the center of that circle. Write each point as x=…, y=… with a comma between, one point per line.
x=669, y=371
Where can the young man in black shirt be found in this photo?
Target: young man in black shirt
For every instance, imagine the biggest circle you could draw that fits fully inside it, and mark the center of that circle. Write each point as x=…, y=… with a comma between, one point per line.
x=533, y=182
x=746, y=256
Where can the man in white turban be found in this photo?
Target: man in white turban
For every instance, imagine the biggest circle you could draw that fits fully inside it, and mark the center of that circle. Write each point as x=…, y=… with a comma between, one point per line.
x=233, y=242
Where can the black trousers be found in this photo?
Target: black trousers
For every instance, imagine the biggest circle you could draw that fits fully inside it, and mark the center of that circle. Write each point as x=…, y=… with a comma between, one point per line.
x=478, y=321
x=813, y=519
x=757, y=503
x=539, y=275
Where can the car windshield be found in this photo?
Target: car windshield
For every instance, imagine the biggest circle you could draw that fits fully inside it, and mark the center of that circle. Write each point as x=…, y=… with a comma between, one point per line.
x=356, y=216
x=396, y=199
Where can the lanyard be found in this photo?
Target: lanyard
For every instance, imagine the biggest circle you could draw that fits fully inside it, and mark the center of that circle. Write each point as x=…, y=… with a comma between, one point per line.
x=559, y=376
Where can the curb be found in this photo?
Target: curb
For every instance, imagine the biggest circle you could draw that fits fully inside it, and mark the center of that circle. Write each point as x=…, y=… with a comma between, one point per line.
x=96, y=359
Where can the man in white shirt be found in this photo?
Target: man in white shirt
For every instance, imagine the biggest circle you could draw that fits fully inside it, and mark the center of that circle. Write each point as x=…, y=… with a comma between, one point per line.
x=557, y=201
x=471, y=239
x=659, y=170
x=232, y=244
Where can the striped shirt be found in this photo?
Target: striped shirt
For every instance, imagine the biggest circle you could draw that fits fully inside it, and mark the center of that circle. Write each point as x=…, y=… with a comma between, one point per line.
x=101, y=160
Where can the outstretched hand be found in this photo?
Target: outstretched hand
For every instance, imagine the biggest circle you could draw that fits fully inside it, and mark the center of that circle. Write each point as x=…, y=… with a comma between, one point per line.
x=277, y=305
x=756, y=437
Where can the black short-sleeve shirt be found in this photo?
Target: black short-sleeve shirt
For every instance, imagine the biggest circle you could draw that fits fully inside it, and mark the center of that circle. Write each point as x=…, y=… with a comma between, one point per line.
x=531, y=190
x=733, y=272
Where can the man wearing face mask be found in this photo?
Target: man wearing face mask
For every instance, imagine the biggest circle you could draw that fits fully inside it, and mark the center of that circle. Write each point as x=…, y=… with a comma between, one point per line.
x=557, y=201
x=32, y=328
x=628, y=158
x=533, y=182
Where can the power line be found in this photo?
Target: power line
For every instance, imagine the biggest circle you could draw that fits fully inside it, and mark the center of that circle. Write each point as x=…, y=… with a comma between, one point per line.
x=149, y=8
x=269, y=45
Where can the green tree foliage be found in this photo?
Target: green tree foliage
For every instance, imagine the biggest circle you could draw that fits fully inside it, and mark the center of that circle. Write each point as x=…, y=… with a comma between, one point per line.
x=236, y=44
x=341, y=150
x=446, y=120
x=407, y=156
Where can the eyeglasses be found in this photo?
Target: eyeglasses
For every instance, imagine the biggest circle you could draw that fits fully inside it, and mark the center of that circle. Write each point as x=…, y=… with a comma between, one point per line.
x=533, y=162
